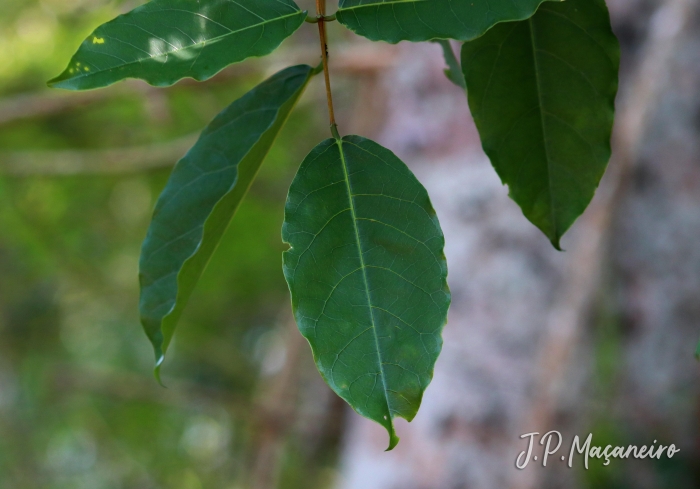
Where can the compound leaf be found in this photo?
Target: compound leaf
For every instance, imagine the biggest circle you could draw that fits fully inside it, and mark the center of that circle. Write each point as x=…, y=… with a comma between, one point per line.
x=201, y=196
x=166, y=40
x=423, y=20
x=542, y=93
x=367, y=275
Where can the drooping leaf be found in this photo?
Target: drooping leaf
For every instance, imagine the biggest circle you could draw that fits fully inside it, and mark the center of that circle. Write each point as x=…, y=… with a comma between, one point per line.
x=423, y=20
x=201, y=196
x=542, y=93
x=367, y=275
x=454, y=70
x=166, y=40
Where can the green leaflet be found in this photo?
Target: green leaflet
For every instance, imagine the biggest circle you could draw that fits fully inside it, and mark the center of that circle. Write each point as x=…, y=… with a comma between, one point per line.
x=422, y=20
x=201, y=196
x=454, y=70
x=542, y=93
x=166, y=40
x=368, y=276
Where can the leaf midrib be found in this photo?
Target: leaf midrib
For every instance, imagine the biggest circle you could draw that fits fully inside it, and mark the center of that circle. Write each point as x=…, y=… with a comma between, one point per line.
x=348, y=187
x=544, y=130
x=213, y=40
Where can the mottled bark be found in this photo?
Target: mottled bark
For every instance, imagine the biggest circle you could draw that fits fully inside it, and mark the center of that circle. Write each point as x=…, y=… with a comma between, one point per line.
x=530, y=327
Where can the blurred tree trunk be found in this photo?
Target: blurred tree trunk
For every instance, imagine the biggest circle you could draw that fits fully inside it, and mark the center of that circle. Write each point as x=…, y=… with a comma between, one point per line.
x=598, y=339
x=655, y=270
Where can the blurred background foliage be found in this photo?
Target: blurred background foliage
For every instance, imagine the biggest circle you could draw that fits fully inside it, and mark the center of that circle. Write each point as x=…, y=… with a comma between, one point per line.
x=78, y=405
x=79, y=176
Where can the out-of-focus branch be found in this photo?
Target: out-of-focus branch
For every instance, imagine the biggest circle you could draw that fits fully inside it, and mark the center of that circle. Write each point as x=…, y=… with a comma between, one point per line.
x=33, y=105
x=49, y=102
x=355, y=60
x=587, y=256
x=278, y=401
x=93, y=162
x=352, y=59
x=125, y=386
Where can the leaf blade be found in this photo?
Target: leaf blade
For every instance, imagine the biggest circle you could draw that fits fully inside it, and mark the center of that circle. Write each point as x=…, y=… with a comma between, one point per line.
x=357, y=218
x=424, y=20
x=164, y=41
x=202, y=195
x=542, y=94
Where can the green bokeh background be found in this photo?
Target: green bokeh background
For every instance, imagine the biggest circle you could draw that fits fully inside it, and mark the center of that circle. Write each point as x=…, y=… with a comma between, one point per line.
x=79, y=407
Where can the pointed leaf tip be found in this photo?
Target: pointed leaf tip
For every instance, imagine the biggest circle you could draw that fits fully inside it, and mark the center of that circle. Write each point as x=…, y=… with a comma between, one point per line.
x=156, y=374
x=393, y=440
x=555, y=242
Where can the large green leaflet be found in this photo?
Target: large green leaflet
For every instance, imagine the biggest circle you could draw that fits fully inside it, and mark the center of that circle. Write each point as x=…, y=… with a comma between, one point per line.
x=202, y=194
x=367, y=275
x=423, y=20
x=542, y=93
x=166, y=40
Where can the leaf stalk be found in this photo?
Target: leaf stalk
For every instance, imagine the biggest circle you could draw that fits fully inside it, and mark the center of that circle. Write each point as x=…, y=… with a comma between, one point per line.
x=321, y=20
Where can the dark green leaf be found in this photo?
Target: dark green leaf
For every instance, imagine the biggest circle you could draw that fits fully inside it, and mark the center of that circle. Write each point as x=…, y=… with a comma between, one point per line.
x=422, y=20
x=367, y=275
x=542, y=93
x=454, y=70
x=204, y=191
x=166, y=40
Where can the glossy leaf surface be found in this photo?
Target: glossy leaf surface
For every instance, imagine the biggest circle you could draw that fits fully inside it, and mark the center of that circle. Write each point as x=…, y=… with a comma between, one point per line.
x=367, y=275
x=166, y=40
x=201, y=196
x=542, y=93
x=423, y=20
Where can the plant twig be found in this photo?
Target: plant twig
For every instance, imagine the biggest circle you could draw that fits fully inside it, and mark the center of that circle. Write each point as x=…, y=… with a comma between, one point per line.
x=68, y=379
x=278, y=408
x=325, y=18
x=93, y=162
x=321, y=12
x=352, y=58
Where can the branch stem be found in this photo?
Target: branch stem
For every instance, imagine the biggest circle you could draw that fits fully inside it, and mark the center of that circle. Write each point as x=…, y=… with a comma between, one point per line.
x=321, y=16
x=314, y=20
